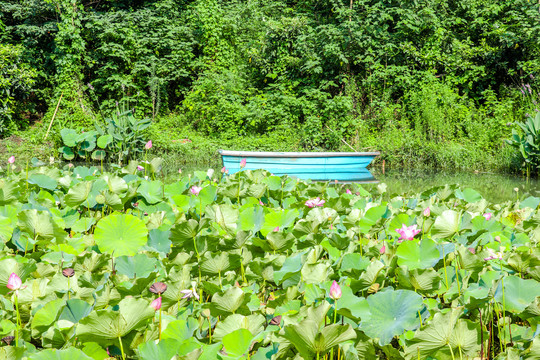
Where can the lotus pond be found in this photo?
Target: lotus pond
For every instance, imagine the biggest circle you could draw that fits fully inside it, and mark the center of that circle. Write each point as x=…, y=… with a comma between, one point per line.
x=253, y=266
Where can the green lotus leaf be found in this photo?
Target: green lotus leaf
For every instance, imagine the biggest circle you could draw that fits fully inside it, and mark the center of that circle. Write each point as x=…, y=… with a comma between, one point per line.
x=281, y=219
x=120, y=234
x=443, y=332
x=251, y=218
x=95, y=351
x=224, y=215
x=8, y=191
x=518, y=293
x=151, y=191
x=138, y=266
x=166, y=349
x=228, y=302
x=253, y=323
x=6, y=228
x=446, y=225
x=102, y=325
x=99, y=155
x=181, y=330
x=104, y=140
x=159, y=240
x=237, y=344
x=391, y=313
x=39, y=225
x=54, y=354
x=418, y=256
x=43, y=181
x=78, y=194
x=372, y=216
x=309, y=340
x=69, y=137
x=48, y=314
x=468, y=194
x=67, y=153
x=291, y=267
x=219, y=263
x=75, y=310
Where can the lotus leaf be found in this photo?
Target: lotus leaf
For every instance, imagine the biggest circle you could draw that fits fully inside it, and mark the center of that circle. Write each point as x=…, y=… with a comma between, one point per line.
x=391, y=313
x=103, y=325
x=120, y=234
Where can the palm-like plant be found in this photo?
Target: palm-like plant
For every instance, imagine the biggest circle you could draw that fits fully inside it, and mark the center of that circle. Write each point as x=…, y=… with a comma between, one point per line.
x=528, y=142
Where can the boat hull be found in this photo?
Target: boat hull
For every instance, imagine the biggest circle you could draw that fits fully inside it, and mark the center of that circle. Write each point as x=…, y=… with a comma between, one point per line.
x=306, y=165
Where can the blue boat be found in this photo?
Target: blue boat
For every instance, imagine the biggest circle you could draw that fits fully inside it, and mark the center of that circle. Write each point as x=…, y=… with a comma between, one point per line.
x=340, y=166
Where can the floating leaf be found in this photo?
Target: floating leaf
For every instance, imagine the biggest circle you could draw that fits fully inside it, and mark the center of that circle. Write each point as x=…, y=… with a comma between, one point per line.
x=120, y=234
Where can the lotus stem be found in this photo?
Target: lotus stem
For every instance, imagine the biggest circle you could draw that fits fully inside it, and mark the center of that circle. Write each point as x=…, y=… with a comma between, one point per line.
x=210, y=328
x=457, y=279
x=451, y=351
x=335, y=316
x=317, y=355
x=444, y=263
x=121, y=347
x=69, y=292
x=17, y=328
x=504, y=306
x=160, y=324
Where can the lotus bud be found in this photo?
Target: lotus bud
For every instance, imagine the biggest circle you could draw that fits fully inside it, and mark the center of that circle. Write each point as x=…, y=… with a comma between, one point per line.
x=276, y=320
x=11, y=159
x=487, y=216
x=224, y=170
x=516, y=189
x=276, y=229
x=14, y=282
x=243, y=163
x=8, y=339
x=140, y=168
x=148, y=145
x=427, y=212
x=383, y=249
x=348, y=191
x=156, y=304
x=68, y=272
x=497, y=238
x=335, y=291
x=158, y=288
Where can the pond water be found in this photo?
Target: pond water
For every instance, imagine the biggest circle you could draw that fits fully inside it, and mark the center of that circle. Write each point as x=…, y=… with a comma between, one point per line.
x=493, y=187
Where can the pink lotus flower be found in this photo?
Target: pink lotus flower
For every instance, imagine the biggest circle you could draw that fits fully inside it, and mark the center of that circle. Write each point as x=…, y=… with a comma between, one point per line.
x=261, y=203
x=11, y=159
x=140, y=168
x=179, y=171
x=472, y=250
x=383, y=249
x=14, y=282
x=276, y=229
x=335, y=291
x=243, y=163
x=156, y=304
x=195, y=190
x=427, y=212
x=148, y=145
x=487, y=216
x=224, y=170
x=407, y=232
x=315, y=202
x=189, y=294
x=348, y=191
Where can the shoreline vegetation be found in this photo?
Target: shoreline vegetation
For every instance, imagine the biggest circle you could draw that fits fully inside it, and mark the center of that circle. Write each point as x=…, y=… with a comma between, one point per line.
x=435, y=84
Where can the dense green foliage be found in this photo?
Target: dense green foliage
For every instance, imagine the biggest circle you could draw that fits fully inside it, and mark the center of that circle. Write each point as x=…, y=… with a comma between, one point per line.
x=251, y=267
x=401, y=77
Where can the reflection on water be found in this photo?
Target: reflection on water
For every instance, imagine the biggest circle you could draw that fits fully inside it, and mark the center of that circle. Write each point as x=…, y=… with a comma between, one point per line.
x=493, y=187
